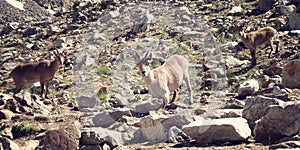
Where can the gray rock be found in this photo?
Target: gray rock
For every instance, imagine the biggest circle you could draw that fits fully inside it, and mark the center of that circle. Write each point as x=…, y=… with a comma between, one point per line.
x=58, y=43
x=148, y=106
x=29, y=31
x=278, y=122
x=286, y=145
x=24, y=99
x=248, y=87
x=142, y=22
x=6, y=114
x=152, y=129
x=233, y=62
x=103, y=119
x=7, y=144
x=229, y=113
x=90, y=147
x=177, y=120
x=255, y=108
x=207, y=131
x=265, y=5
x=176, y=135
x=236, y=10
x=98, y=135
x=9, y=28
x=85, y=102
x=229, y=47
x=291, y=74
x=294, y=33
x=285, y=10
x=234, y=104
x=109, y=16
x=294, y=21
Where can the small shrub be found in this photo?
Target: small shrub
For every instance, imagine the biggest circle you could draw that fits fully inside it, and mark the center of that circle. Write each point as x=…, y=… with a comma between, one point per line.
x=104, y=70
x=23, y=129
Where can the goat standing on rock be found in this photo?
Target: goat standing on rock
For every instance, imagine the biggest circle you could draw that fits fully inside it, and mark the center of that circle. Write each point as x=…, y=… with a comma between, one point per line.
x=42, y=71
x=256, y=38
x=164, y=79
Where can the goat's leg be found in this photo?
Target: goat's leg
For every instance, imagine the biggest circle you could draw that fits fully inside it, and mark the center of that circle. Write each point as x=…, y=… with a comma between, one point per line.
x=253, y=61
x=166, y=99
x=187, y=81
x=272, y=47
x=42, y=88
x=46, y=93
x=19, y=87
x=174, y=95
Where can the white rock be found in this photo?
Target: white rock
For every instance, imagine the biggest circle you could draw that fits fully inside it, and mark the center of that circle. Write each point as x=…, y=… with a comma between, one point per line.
x=16, y=4
x=236, y=9
x=208, y=131
x=232, y=62
x=248, y=87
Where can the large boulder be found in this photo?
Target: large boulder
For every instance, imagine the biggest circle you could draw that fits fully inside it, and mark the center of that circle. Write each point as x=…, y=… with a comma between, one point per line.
x=278, y=122
x=255, y=108
x=206, y=131
x=152, y=127
x=98, y=136
x=291, y=74
x=63, y=138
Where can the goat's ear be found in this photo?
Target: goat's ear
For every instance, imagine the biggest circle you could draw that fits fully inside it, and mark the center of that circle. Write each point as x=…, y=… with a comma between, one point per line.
x=136, y=56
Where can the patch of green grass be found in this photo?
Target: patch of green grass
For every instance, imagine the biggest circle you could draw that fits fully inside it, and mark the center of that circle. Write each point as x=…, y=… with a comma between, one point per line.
x=229, y=75
x=23, y=128
x=104, y=70
x=221, y=38
x=161, y=110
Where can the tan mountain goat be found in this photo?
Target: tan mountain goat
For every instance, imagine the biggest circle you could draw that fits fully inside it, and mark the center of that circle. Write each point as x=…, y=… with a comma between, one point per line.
x=164, y=79
x=254, y=39
x=42, y=71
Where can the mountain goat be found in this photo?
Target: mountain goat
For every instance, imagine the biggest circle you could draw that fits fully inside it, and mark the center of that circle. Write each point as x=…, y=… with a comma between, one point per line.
x=42, y=71
x=164, y=79
x=254, y=39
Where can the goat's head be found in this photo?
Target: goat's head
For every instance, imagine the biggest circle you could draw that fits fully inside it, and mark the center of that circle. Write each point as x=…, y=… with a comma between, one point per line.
x=143, y=63
x=59, y=57
x=240, y=46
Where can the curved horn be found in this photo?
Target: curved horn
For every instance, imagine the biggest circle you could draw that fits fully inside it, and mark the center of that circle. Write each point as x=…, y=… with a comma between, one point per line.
x=148, y=55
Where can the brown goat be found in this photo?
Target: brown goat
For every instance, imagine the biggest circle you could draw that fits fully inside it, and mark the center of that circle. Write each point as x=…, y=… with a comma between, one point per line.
x=42, y=71
x=254, y=39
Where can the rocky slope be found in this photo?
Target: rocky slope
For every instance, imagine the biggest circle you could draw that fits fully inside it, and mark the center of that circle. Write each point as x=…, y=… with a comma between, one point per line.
x=98, y=100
